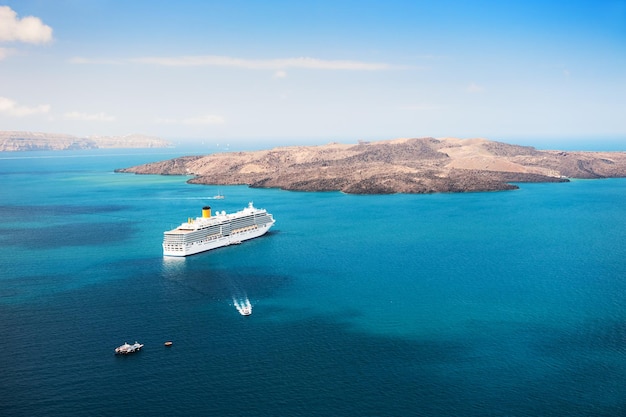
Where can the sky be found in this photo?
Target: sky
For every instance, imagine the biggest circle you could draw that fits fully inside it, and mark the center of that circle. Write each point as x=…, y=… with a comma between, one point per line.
x=292, y=72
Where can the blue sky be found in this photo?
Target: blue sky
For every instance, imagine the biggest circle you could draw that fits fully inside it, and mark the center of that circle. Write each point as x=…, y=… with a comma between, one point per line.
x=314, y=72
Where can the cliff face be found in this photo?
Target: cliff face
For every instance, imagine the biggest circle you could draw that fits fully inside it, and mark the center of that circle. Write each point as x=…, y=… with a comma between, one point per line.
x=424, y=165
x=36, y=141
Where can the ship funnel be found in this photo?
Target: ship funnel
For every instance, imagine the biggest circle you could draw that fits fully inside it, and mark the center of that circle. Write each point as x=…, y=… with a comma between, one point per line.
x=206, y=212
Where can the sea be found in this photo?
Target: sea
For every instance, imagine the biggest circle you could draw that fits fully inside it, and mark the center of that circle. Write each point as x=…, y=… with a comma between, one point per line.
x=477, y=304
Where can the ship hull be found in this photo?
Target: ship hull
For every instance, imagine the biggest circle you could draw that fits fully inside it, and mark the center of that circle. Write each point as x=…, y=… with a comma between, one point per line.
x=218, y=242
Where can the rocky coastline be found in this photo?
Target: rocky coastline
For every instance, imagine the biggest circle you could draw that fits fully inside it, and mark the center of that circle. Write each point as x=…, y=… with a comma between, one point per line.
x=15, y=141
x=417, y=165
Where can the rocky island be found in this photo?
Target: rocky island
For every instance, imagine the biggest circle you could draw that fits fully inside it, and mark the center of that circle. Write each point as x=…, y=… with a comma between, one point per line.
x=419, y=165
x=37, y=141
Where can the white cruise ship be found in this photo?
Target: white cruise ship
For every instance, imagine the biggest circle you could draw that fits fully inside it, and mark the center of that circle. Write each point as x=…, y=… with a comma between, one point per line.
x=217, y=230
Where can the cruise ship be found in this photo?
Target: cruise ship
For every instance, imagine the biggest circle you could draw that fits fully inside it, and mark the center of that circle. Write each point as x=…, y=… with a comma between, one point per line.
x=208, y=232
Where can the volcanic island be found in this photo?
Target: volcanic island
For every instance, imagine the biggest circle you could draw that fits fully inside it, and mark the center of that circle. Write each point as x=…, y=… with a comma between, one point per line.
x=416, y=165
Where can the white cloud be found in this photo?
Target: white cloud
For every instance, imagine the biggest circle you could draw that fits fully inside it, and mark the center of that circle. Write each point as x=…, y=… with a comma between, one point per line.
x=80, y=60
x=279, y=65
x=166, y=121
x=5, y=52
x=474, y=88
x=209, y=119
x=95, y=117
x=28, y=29
x=266, y=64
x=420, y=107
x=11, y=108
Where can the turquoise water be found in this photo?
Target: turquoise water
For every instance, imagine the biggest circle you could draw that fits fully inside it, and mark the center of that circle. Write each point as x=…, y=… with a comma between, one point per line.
x=497, y=304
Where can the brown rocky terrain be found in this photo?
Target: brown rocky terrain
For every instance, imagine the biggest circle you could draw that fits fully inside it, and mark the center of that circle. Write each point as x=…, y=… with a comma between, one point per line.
x=37, y=141
x=422, y=165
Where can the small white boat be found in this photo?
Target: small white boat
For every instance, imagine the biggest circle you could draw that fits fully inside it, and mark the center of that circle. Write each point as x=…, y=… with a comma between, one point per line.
x=243, y=306
x=246, y=310
x=126, y=349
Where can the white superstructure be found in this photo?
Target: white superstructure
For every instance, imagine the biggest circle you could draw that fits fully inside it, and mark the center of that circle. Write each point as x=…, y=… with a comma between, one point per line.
x=214, y=231
x=127, y=349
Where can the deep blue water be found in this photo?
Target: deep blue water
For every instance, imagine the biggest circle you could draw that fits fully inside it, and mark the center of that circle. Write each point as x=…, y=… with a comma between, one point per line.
x=483, y=304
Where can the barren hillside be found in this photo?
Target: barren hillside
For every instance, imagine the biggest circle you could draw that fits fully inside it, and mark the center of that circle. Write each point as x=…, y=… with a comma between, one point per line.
x=422, y=165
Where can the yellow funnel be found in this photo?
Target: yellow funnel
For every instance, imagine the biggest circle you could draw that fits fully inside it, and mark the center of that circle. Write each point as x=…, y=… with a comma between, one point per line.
x=206, y=212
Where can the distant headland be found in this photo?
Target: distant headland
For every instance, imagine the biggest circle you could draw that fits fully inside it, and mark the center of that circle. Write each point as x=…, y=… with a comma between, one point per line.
x=37, y=141
x=419, y=165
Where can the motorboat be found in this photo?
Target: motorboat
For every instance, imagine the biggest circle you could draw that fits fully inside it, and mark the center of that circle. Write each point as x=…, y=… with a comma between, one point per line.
x=126, y=348
x=243, y=306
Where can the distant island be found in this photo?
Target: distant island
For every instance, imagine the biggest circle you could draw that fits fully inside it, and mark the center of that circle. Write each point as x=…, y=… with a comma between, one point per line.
x=36, y=141
x=419, y=165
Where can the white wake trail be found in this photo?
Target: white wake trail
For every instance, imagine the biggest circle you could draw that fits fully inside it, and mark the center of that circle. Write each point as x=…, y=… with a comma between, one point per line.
x=243, y=306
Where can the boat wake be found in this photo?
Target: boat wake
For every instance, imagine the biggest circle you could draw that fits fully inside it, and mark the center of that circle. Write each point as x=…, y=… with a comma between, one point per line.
x=243, y=306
